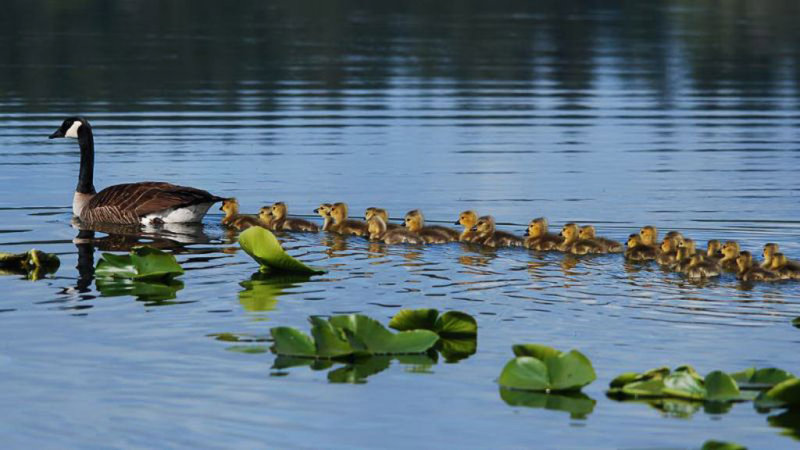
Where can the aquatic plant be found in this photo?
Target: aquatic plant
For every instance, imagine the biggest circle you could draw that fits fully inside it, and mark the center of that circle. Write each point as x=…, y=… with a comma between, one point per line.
x=264, y=247
x=143, y=263
x=541, y=368
x=34, y=264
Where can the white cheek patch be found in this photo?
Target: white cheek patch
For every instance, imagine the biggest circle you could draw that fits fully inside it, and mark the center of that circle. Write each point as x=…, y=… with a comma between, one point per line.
x=73, y=130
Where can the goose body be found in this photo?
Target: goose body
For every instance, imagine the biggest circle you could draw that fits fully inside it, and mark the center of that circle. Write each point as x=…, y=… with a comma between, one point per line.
x=132, y=203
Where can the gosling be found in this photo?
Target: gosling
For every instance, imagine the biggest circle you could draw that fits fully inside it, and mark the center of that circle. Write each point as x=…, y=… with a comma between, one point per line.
x=373, y=211
x=538, y=238
x=588, y=233
x=785, y=268
x=751, y=272
x=232, y=217
x=379, y=232
x=649, y=235
x=324, y=211
x=637, y=251
x=488, y=235
x=668, y=254
x=281, y=222
x=701, y=269
x=730, y=253
x=343, y=225
x=415, y=221
x=572, y=244
x=467, y=219
x=769, y=250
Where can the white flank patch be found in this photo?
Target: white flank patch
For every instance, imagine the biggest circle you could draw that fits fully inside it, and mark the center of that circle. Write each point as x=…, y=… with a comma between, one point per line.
x=79, y=201
x=73, y=130
x=192, y=213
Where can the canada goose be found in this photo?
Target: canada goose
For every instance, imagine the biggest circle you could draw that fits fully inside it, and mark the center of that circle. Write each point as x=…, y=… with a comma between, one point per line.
x=373, y=211
x=700, y=268
x=588, y=233
x=788, y=270
x=649, y=235
x=467, y=219
x=324, y=210
x=265, y=217
x=343, y=225
x=637, y=251
x=714, y=250
x=747, y=271
x=415, y=221
x=683, y=259
x=667, y=255
x=281, y=222
x=232, y=217
x=487, y=234
x=573, y=244
x=769, y=250
x=730, y=253
x=538, y=237
x=131, y=203
x=378, y=231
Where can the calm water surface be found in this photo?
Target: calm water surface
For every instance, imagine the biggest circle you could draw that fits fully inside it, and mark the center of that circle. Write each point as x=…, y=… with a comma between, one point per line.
x=679, y=114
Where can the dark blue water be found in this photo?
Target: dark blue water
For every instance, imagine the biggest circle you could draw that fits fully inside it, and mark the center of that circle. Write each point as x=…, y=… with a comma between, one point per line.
x=679, y=114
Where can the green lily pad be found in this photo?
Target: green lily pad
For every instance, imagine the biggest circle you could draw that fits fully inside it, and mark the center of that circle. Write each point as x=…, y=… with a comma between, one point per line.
x=292, y=342
x=577, y=404
x=264, y=247
x=143, y=263
x=456, y=349
x=753, y=378
x=796, y=322
x=449, y=324
x=330, y=342
x=554, y=371
x=376, y=339
x=786, y=392
x=721, y=445
x=721, y=387
x=250, y=349
x=684, y=385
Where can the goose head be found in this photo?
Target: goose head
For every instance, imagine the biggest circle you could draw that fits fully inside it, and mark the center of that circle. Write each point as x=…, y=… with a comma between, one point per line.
x=278, y=210
x=744, y=261
x=69, y=128
x=537, y=227
x=569, y=232
x=414, y=220
x=467, y=219
x=649, y=235
x=376, y=227
x=484, y=226
x=587, y=232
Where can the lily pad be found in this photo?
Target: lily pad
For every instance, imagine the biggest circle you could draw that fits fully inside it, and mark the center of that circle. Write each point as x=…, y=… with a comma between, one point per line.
x=786, y=392
x=721, y=445
x=721, y=387
x=684, y=385
x=796, y=322
x=456, y=349
x=369, y=335
x=449, y=324
x=765, y=378
x=264, y=247
x=554, y=371
x=292, y=342
x=330, y=342
x=143, y=263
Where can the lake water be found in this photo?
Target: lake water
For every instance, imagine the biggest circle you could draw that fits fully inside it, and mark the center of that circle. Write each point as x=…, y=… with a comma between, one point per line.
x=685, y=115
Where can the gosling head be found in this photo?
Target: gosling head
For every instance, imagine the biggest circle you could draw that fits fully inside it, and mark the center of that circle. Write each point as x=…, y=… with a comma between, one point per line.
x=730, y=250
x=569, y=232
x=324, y=210
x=690, y=245
x=339, y=212
x=70, y=127
x=230, y=206
x=669, y=244
x=649, y=235
x=278, y=210
x=265, y=214
x=372, y=211
x=414, y=220
x=467, y=219
x=484, y=226
x=714, y=248
x=587, y=232
x=634, y=240
x=537, y=227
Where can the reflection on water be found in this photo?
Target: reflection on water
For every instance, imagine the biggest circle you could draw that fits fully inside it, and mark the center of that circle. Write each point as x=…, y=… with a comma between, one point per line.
x=679, y=114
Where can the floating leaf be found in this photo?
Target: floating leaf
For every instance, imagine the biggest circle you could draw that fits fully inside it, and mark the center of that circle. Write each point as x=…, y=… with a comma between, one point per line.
x=786, y=392
x=330, y=342
x=647, y=388
x=721, y=387
x=525, y=372
x=684, y=385
x=251, y=349
x=721, y=445
x=378, y=340
x=414, y=319
x=761, y=378
x=554, y=371
x=264, y=247
x=34, y=264
x=456, y=323
x=456, y=349
x=143, y=263
x=535, y=350
x=796, y=322
x=292, y=342
x=577, y=404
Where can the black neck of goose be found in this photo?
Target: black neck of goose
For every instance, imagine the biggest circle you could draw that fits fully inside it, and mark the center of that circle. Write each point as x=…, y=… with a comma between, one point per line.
x=86, y=175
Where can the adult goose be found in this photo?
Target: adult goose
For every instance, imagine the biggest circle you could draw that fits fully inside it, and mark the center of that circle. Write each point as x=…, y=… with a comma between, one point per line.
x=147, y=202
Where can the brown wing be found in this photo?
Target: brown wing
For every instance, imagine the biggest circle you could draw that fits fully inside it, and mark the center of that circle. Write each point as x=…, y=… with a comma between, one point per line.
x=127, y=203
